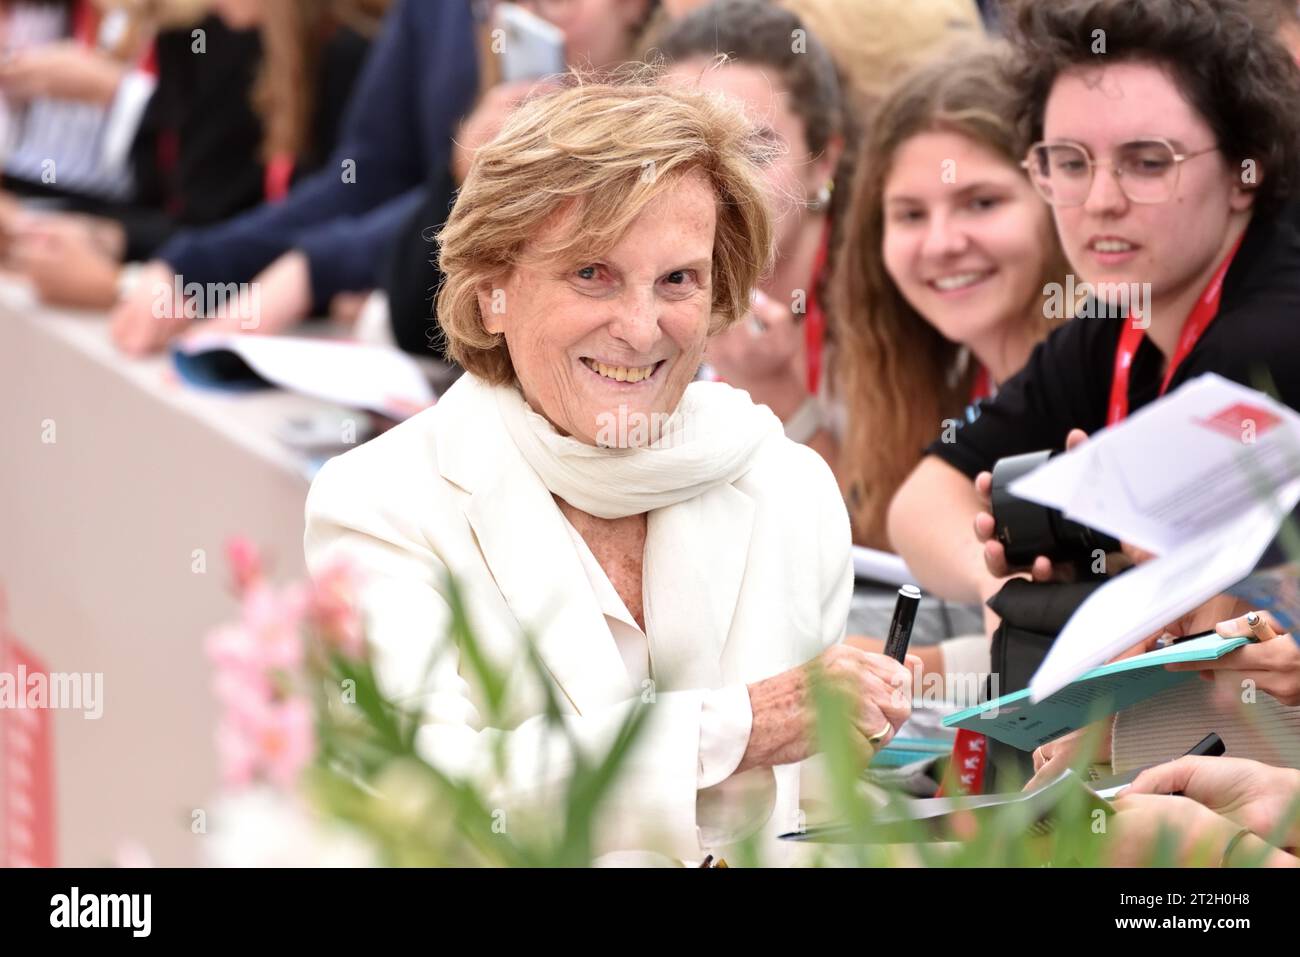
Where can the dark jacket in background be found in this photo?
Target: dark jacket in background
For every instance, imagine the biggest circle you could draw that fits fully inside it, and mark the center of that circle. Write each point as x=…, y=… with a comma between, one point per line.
x=420, y=78
x=196, y=153
x=202, y=114
x=412, y=277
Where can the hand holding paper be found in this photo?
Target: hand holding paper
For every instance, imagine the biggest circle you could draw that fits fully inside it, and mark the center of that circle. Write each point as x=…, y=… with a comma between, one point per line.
x=1202, y=478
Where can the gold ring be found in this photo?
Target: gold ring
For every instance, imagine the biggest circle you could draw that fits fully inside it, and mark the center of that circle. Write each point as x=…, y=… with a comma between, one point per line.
x=879, y=736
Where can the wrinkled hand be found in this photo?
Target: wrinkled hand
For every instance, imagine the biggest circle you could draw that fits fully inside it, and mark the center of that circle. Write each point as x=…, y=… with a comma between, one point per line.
x=785, y=706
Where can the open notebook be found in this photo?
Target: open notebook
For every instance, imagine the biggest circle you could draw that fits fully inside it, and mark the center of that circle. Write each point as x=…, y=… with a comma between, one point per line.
x=1017, y=720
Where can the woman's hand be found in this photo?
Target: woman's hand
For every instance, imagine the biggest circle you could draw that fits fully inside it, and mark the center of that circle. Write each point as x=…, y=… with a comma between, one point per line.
x=64, y=262
x=995, y=555
x=1088, y=745
x=1042, y=569
x=766, y=346
x=63, y=70
x=785, y=706
x=485, y=122
x=1200, y=836
x=152, y=315
x=928, y=658
x=1272, y=664
x=1255, y=795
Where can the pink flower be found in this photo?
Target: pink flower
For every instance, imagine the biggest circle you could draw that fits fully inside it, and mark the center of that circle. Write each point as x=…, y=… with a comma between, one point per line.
x=236, y=752
x=332, y=608
x=243, y=694
x=271, y=740
x=286, y=740
x=275, y=621
x=245, y=562
x=267, y=638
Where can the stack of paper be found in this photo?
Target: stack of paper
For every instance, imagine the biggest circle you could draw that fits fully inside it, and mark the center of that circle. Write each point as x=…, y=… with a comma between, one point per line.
x=933, y=818
x=877, y=566
x=351, y=374
x=1203, y=478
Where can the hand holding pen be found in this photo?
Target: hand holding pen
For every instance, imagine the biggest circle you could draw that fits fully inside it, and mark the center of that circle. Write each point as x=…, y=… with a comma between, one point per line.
x=1271, y=663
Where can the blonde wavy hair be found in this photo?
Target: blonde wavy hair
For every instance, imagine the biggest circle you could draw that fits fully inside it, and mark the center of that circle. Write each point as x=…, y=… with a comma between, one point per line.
x=598, y=150
x=897, y=375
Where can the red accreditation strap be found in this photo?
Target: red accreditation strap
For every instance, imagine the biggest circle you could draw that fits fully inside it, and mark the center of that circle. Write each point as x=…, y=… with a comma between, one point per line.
x=1194, y=326
x=970, y=749
x=814, y=329
x=278, y=178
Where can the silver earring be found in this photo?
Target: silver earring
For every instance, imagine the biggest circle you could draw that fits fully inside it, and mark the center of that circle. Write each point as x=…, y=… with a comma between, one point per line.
x=822, y=201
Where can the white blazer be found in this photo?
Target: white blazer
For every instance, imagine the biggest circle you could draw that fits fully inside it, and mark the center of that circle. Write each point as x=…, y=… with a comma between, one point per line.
x=447, y=491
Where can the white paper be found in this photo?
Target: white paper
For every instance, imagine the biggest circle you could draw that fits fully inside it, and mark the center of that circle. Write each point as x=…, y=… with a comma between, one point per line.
x=348, y=373
x=878, y=566
x=1177, y=468
x=1203, y=478
x=1139, y=602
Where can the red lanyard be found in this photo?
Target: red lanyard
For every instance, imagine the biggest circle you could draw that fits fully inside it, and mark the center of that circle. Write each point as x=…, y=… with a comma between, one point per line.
x=85, y=24
x=277, y=179
x=815, y=318
x=966, y=766
x=1130, y=337
x=981, y=388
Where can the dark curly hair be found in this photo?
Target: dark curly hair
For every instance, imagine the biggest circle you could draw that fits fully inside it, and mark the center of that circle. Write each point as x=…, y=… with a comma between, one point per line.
x=1224, y=55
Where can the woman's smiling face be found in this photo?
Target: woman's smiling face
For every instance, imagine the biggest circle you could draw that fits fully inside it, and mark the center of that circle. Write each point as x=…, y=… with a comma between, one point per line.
x=1111, y=239
x=619, y=338
x=966, y=250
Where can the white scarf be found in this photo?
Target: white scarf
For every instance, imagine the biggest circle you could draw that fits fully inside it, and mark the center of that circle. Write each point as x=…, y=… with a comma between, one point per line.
x=710, y=440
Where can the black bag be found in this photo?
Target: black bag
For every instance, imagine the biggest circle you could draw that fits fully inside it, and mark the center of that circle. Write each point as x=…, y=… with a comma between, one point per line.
x=1033, y=614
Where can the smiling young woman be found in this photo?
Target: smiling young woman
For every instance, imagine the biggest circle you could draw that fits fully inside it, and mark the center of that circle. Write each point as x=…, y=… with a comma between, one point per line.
x=1209, y=79
x=938, y=293
x=1164, y=136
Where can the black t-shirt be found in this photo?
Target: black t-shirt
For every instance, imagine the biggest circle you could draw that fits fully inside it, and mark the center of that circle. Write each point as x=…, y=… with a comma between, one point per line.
x=1066, y=384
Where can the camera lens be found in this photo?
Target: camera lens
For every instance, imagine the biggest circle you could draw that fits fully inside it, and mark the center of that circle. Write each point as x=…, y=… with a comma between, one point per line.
x=1027, y=529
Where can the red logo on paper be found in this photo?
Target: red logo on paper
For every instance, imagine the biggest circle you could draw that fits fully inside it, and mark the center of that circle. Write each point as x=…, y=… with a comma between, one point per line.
x=26, y=756
x=1237, y=419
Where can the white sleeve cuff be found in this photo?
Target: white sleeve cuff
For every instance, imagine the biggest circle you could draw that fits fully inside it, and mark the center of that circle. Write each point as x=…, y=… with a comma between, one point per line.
x=123, y=120
x=725, y=722
x=965, y=659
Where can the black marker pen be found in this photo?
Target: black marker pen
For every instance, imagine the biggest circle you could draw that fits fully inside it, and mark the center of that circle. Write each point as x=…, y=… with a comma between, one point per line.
x=900, y=628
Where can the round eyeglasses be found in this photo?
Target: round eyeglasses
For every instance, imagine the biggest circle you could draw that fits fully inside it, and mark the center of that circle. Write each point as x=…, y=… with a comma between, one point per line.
x=1146, y=170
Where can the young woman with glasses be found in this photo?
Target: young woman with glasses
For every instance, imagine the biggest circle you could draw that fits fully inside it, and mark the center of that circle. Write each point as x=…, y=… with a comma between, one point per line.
x=1164, y=137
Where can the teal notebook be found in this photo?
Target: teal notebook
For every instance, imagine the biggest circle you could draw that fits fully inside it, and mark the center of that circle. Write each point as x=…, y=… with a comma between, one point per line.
x=903, y=751
x=1015, y=720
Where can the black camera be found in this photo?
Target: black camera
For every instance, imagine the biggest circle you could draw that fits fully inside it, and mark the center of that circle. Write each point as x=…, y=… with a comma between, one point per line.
x=1027, y=529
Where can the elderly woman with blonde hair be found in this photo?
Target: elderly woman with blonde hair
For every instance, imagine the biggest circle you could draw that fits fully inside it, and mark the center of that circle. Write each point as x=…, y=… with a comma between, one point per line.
x=660, y=539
